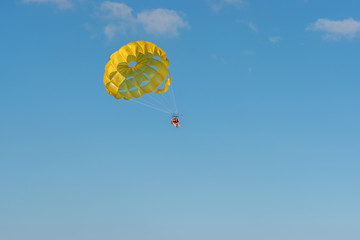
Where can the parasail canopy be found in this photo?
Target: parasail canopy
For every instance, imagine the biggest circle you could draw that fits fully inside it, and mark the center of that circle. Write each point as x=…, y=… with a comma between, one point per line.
x=136, y=69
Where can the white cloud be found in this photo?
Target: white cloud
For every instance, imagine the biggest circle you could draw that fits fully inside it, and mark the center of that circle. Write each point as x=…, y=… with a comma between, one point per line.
x=335, y=30
x=116, y=10
x=159, y=21
x=62, y=4
x=216, y=7
x=252, y=26
x=110, y=30
x=275, y=39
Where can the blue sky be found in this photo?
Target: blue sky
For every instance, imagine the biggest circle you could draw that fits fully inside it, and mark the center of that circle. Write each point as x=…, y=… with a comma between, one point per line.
x=269, y=147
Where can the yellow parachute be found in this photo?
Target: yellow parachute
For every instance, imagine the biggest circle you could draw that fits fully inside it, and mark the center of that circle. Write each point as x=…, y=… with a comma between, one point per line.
x=124, y=81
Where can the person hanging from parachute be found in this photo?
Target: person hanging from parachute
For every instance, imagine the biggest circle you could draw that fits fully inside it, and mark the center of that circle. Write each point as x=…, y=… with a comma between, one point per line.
x=175, y=121
x=140, y=69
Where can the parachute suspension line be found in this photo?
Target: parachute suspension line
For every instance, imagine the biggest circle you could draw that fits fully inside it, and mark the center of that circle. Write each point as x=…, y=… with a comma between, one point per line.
x=145, y=101
x=148, y=103
x=159, y=102
x=150, y=106
x=165, y=98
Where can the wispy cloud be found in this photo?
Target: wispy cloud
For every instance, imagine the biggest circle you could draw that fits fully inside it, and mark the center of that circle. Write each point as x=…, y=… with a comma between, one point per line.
x=117, y=10
x=275, y=39
x=159, y=21
x=111, y=30
x=62, y=4
x=335, y=30
x=218, y=5
x=252, y=26
x=89, y=28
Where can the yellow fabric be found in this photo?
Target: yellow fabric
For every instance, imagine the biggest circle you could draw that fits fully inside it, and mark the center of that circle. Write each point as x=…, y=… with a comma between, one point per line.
x=150, y=71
